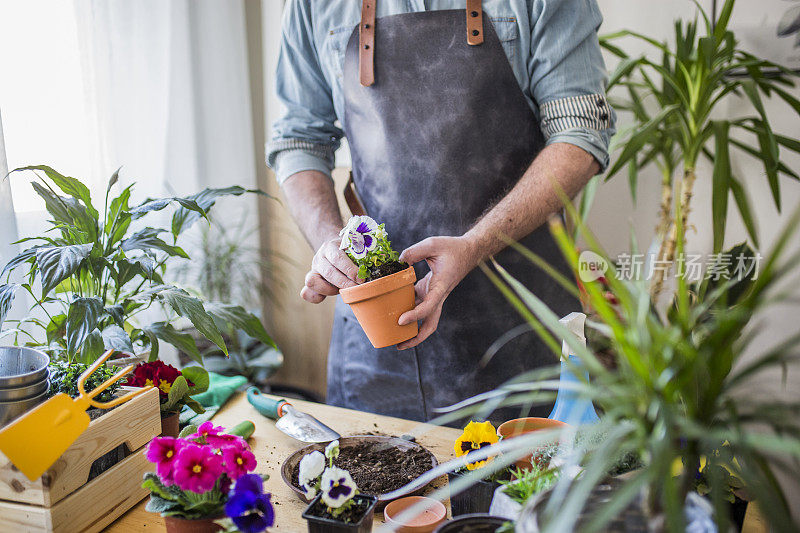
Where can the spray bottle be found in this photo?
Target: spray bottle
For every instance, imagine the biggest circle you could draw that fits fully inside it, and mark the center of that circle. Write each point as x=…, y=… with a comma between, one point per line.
x=570, y=407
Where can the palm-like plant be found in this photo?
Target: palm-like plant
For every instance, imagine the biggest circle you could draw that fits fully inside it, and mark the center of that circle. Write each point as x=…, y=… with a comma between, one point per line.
x=676, y=396
x=673, y=102
x=97, y=274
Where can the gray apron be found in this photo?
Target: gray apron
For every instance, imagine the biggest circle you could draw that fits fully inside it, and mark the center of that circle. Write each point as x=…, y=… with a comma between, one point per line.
x=441, y=135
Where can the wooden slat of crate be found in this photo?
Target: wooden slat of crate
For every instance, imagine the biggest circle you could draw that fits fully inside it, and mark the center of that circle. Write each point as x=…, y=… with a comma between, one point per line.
x=133, y=423
x=90, y=508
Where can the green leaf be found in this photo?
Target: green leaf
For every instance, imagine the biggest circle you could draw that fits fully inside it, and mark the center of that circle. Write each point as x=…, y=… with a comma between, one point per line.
x=92, y=347
x=57, y=263
x=182, y=341
x=721, y=22
x=128, y=269
x=720, y=182
x=195, y=406
x=767, y=140
x=205, y=199
x=743, y=203
x=153, y=345
x=70, y=186
x=160, y=203
x=56, y=328
x=192, y=308
x=118, y=220
x=177, y=392
x=624, y=68
x=26, y=255
x=82, y=318
x=6, y=299
x=239, y=318
x=115, y=338
x=199, y=378
x=147, y=239
x=638, y=139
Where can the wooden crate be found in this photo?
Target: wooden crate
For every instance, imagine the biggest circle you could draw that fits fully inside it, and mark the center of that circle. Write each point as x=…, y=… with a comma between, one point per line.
x=62, y=500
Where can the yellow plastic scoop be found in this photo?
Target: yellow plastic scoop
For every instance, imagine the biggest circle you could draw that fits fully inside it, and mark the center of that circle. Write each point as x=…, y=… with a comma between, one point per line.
x=37, y=439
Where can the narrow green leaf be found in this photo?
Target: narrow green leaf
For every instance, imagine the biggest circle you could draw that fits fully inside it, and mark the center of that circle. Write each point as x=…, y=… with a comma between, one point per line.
x=205, y=199
x=24, y=256
x=82, y=319
x=743, y=203
x=720, y=182
x=57, y=263
x=721, y=22
x=70, y=186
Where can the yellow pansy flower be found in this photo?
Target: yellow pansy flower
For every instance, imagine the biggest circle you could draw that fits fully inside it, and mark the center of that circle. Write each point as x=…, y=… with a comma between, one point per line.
x=476, y=435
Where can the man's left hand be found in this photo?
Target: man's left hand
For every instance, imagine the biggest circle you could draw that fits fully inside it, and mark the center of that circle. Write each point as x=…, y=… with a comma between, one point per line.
x=450, y=260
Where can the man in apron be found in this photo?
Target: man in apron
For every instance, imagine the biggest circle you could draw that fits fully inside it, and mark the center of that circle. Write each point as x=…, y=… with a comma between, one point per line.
x=460, y=117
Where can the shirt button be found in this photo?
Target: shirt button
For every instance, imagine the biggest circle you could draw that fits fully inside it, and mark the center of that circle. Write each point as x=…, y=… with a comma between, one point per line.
x=604, y=116
x=601, y=102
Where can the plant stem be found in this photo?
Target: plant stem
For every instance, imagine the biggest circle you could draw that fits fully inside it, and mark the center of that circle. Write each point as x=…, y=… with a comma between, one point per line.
x=667, y=252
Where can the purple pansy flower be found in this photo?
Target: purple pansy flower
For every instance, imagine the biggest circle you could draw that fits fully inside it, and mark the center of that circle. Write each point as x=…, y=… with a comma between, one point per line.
x=337, y=487
x=359, y=236
x=248, y=506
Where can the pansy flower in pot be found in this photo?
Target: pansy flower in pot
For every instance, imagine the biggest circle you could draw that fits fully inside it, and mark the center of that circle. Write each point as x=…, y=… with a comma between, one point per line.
x=478, y=496
x=388, y=291
x=175, y=389
x=336, y=504
x=203, y=477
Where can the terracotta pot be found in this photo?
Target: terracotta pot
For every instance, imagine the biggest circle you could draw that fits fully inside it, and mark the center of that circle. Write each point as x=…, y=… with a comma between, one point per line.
x=170, y=425
x=378, y=305
x=182, y=525
x=426, y=521
x=521, y=426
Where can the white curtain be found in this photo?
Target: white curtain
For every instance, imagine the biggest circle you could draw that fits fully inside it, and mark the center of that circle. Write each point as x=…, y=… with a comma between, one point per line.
x=8, y=222
x=168, y=90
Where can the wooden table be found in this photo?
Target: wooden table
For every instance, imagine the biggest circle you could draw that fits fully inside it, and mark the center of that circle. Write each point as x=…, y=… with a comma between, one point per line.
x=271, y=447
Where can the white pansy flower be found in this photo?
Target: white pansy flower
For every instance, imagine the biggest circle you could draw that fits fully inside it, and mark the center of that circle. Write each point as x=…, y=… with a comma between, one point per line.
x=337, y=487
x=332, y=450
x=359, y=236
x=311, y=467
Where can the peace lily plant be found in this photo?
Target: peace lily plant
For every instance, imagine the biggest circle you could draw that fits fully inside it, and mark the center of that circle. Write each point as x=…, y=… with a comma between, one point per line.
x=94, y=272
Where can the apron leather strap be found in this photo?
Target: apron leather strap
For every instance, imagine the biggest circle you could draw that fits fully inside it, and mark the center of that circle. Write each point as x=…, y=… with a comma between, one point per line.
x=366, y=42
x=352, y=198
x=366, y=35
x=474, y=22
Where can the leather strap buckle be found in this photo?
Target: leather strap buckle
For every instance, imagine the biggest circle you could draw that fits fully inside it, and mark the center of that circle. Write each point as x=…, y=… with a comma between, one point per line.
x=366, y=42
x=474, y=22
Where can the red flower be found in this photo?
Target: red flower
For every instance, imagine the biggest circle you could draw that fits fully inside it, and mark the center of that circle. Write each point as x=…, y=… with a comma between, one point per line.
x=155, y=374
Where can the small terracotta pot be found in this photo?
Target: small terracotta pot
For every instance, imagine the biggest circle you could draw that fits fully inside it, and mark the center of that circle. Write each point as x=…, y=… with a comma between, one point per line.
x=378, y=305
x=426, y=521
x=170, y=425
x=521, y=426
x=182, y=525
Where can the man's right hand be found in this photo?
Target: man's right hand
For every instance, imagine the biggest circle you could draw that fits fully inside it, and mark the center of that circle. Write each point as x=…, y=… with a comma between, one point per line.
x=331, y=270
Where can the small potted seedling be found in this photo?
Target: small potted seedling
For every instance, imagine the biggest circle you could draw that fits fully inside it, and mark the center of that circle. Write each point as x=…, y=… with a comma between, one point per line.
x=511, y=495
x=337, y=505
x=203, y=484
x=388, y=288
x=478, y=497
x=175, y=388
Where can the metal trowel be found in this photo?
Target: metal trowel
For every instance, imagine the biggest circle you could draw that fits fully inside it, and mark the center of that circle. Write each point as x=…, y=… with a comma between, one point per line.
x=296, y=424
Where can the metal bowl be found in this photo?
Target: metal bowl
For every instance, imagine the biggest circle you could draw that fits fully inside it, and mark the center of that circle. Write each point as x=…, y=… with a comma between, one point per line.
x=11, y=410
x=27, y=391
x=21, y=366
x=288, y=466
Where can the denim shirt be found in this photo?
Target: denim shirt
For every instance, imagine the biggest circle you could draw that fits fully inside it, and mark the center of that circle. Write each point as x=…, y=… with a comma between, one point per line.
x=552, y=47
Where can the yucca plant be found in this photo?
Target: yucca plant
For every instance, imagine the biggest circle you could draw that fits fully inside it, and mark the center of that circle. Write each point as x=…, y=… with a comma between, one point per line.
x=96, y=274
x=677, y=396
x=673, y=100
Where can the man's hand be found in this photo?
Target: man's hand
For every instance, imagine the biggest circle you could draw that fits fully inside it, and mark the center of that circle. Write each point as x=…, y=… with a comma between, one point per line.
x=450, y=260
x=331, y=270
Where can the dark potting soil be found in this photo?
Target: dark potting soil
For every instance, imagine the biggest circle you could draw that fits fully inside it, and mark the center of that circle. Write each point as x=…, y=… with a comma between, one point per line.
x=386, y=269
x=112, y=457
x=352, y=515
x=378, y=470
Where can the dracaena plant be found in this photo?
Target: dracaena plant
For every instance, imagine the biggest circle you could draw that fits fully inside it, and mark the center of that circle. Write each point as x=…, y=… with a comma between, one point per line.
x=96, y=273
x=679, y=394
x=673, y=100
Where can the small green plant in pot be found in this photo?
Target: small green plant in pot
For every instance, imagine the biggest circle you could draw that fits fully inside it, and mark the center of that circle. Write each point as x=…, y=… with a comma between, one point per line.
x=100, y=269
x=175, y=389
x=389, y=288
x=337, y=504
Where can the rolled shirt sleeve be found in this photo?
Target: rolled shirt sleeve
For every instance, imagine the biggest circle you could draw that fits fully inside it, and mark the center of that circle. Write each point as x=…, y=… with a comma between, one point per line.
x=568, y=76
x=305, y=137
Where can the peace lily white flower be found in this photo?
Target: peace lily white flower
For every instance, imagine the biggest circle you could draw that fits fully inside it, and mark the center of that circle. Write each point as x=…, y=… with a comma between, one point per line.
x=311, y=467
x=337, y=487
x=332, y=450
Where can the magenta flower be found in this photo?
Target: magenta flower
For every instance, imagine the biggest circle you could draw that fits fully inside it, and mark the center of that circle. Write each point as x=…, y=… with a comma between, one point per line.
x=206, y=429
x=239, y=460
x=197, y=468
x=163, y=451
